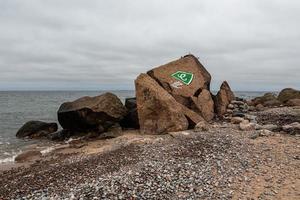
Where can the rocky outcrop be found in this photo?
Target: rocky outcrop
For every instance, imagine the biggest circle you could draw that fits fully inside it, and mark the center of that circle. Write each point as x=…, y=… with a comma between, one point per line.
x=131, y=120
x=36, y=129
x=91, y=113
x=223, y=98
x=158, y=111
x=287, y=94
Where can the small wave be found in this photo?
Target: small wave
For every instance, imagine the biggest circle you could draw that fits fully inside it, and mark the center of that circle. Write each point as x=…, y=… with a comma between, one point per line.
x=48, y=150
x=7, y=160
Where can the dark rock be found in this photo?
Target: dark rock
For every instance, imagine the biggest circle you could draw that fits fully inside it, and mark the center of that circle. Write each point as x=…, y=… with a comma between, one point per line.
x=287, y=94
x=36, y=129
x=131, y=120
x=60, y=135
x=90, y=113
x=238, y=114
x=112, y=132
x=239, y=99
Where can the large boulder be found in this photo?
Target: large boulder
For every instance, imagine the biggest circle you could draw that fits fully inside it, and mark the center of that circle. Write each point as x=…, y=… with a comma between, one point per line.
x=185, y=79
x=287, y=94
x=36, y=129
x=91, y=113
x=158, y=111
x=131, y=120
x=223, y=98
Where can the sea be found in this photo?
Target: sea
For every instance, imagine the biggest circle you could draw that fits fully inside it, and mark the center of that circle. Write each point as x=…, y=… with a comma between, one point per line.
x=18, y=107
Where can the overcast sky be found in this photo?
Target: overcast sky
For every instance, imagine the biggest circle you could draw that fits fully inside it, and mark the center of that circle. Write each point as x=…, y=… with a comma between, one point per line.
x=95, y=44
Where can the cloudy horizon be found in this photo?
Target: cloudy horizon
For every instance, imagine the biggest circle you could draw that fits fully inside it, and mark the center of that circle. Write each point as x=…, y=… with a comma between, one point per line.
x=97, y=45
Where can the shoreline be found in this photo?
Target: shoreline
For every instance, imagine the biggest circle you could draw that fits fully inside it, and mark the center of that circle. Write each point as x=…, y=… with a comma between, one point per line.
x=221, y=163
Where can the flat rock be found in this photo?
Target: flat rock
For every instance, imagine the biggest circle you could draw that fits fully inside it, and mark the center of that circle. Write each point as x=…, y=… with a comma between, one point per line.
x=28, y=156
x=36, y=129
x=270, y=127
x=238, y=114
x=293, y=128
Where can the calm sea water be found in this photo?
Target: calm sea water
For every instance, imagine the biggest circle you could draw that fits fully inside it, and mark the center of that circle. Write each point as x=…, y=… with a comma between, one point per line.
x=16, y=108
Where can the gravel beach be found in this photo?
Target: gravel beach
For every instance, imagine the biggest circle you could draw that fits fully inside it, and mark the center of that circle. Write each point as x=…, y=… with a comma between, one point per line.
x=222, y=163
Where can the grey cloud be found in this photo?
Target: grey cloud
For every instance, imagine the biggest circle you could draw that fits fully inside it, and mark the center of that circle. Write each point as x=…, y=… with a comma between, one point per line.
x=96, y=44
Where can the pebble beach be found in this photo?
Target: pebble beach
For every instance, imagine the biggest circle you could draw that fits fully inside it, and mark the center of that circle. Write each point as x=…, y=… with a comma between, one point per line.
x=221, y=163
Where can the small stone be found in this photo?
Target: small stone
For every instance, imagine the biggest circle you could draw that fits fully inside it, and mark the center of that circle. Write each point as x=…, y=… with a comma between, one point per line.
x=265, y=132
x=237, y=102
x=238, y=114
x=254, y=135
x=247, y=126
x=230, y=106
x=270, y=127
x=236, y=120
x=250, y=117
x=229, y=111
x=201, y=126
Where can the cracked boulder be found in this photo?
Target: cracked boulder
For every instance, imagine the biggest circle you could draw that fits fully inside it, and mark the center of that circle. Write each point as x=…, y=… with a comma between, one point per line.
x=158, y=111
x=188, y=82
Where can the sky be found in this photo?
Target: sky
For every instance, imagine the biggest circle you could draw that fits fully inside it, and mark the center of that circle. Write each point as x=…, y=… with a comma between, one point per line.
x=97, y=44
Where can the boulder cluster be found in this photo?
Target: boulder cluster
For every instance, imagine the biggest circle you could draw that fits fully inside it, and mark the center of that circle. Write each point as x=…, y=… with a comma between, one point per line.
x=286, y=97
x=176, y=96
x=172, y=97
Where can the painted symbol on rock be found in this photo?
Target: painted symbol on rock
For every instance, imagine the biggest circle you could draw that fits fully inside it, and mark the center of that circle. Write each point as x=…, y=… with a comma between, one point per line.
x=177, y=84
x=185, y=77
